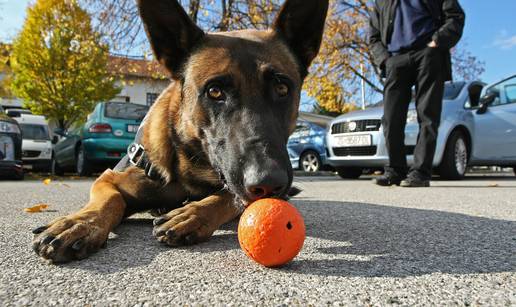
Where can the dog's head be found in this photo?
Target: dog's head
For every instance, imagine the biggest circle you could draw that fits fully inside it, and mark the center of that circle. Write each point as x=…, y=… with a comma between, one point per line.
x=240, y=90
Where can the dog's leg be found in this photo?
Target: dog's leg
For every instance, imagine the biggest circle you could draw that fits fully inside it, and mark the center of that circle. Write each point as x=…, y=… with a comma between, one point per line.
x=196, y=221
x=82, y=233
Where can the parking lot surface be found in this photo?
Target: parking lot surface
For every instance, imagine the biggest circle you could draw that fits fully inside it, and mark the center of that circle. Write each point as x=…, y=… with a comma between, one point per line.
x=453, y=243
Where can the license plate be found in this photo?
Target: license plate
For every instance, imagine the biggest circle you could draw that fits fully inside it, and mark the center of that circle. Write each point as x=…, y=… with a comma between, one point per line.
x=132, y=128
x=353, y=140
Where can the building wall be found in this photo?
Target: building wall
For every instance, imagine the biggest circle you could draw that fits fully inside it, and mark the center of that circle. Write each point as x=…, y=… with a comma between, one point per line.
x=11, y=102
x=137, y=90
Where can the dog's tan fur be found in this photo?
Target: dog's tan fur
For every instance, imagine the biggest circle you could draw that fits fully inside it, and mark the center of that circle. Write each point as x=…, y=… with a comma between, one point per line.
x=174, y=145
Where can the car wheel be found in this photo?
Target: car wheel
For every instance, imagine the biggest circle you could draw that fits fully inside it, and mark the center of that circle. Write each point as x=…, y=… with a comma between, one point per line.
x=455, y=158
x=349, y=172
x=82, y=165
x=55, y=169
x=310, y=162
x=19, y=176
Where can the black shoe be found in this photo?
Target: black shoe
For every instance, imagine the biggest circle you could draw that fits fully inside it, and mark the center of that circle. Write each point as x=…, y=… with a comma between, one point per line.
x=414, y=181
x=388, y=179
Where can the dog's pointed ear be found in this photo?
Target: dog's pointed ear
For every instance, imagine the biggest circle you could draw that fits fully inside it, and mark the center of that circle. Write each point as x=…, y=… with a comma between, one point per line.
x=301, y=24
x=171, y=32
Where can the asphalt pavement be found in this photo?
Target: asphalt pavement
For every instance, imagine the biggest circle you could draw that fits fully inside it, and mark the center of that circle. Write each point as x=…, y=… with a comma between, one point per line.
x=451, y=244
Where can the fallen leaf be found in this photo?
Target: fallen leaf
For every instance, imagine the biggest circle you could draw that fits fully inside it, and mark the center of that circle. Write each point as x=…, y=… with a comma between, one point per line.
x=47, y=181
x=493, y=185
x=36, y=208
x=65, y=185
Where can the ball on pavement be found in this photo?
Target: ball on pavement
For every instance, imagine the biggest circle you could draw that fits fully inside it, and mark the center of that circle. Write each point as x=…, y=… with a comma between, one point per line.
x=271, y=232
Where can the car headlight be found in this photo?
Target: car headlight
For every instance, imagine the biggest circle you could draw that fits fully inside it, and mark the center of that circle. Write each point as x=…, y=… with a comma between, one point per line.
x=9, y=128
x=412, y=117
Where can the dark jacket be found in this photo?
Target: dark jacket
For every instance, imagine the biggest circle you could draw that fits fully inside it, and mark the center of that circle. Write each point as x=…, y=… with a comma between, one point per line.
x=447, y=14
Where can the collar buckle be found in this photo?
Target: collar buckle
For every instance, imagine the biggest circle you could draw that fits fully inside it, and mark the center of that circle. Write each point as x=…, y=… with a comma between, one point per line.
x=136, y=154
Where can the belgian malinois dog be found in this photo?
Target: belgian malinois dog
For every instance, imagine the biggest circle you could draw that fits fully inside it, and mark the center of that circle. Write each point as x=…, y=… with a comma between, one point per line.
x=216, y=138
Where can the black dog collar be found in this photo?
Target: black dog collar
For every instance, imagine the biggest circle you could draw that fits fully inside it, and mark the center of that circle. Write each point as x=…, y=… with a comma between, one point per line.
x=139, y=158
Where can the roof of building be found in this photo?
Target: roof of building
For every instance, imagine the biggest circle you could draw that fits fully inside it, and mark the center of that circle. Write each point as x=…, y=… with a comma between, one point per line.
x=136, y=67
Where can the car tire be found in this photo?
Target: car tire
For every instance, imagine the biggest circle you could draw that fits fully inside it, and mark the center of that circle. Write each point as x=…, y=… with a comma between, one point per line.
x=55, y=169
x=349, y=172
x=455, y=158
x=310, y=162
x=20, y=176
x=82, y=165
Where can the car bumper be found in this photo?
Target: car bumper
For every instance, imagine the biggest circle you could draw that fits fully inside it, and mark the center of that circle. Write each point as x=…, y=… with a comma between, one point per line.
x=374, y=155
x=11, y=169
x=295, y=163
x=108, y=150
x=37, y=164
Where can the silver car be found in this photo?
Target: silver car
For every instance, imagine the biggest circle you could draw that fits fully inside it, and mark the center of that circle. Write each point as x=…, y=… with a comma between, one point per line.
x=478, y=127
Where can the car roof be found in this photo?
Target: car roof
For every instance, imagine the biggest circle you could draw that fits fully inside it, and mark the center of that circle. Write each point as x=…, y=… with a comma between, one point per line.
x=31, y=119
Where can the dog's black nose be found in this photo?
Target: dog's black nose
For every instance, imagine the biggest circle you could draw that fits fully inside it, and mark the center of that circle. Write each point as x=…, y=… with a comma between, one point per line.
x=265, y=184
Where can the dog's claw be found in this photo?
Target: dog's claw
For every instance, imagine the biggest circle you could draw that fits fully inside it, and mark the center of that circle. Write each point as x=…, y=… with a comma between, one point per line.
x=47, y=239
x=184, y=226
x=39, y=230
x=160, y=221
x=77, y=246
x=160, y=232
x=56, y=243
x=170, y=233
x=69, y=238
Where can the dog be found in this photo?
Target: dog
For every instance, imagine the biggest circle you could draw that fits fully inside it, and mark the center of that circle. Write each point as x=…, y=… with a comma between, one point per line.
x=214, y=141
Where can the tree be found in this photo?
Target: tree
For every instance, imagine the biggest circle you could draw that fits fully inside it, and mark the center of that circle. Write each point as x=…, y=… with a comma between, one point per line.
x=346, y=60
x=336, y=74
x=59, y=63
x=5, y=71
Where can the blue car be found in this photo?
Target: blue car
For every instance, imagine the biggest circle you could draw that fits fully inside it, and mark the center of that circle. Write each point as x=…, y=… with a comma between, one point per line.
x=306, y=147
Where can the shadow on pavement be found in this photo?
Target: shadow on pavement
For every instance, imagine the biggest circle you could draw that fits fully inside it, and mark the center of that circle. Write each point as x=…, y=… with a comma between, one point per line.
x=133, y=245
x=379, y=241
x=349, y=239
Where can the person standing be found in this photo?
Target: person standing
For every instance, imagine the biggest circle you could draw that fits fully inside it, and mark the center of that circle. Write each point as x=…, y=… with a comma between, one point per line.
x=410, y=41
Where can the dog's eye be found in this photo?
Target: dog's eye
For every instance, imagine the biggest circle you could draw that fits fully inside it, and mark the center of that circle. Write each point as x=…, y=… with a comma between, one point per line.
x=215, y=93
x=282, y=89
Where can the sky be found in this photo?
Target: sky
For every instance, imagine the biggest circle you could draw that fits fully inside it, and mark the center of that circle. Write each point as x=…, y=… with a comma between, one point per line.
x=490, y=32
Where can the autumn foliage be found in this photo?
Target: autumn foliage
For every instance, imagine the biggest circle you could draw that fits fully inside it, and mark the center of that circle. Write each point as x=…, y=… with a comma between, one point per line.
x=59, y=62
x=336, y=75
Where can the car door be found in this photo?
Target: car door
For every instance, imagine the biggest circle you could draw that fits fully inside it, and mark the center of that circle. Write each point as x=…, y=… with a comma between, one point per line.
x=495, y=130
x=65, y=149
x=296, y=141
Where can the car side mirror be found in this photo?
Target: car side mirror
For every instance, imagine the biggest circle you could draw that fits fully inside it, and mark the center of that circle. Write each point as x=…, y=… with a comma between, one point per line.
x=486, y=101
x=55, y=139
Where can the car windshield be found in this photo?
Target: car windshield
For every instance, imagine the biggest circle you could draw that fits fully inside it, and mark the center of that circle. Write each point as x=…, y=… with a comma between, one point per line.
x=451, y=91
x=123, y=110
x=35, y=132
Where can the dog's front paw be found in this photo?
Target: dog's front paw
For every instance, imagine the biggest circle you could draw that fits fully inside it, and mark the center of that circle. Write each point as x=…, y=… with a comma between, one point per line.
x=70, y=238
x=184, y=226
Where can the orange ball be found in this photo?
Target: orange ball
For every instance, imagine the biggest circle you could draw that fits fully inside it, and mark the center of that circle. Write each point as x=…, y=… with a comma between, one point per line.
x=271, y=232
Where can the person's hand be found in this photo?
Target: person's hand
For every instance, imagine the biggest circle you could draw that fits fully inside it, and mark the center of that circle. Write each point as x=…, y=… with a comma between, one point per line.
x=432, y=44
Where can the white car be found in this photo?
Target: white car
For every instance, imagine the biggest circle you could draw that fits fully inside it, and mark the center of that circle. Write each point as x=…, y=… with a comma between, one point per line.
x=37, y=144
x=474, y=131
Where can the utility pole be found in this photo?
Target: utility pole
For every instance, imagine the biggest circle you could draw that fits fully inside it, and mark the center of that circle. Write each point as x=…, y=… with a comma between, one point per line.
x=363, y=86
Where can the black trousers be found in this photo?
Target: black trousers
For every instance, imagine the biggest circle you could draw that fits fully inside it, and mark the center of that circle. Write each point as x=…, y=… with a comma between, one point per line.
x=424, y=70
